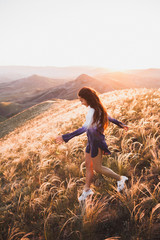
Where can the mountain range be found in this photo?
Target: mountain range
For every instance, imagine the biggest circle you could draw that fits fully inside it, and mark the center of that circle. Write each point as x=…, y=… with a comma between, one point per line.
x=18, y=95
x=67, y=90
x=10, y=73
x=21, y=88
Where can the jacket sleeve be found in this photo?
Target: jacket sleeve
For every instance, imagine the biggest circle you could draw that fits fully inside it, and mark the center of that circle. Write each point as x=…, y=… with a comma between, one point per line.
x=118, y=123
x=66, y=137
x=89, y=118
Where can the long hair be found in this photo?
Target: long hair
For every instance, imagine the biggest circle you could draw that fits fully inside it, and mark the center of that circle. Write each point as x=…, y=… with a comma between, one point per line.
x=92, y=99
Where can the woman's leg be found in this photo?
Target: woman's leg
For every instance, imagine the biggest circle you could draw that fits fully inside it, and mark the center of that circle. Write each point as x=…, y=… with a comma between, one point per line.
x=97, y=166
x=89, y=171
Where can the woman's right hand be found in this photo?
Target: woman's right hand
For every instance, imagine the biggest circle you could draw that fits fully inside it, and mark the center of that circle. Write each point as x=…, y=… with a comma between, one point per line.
x=125, y=127
x=59, y=139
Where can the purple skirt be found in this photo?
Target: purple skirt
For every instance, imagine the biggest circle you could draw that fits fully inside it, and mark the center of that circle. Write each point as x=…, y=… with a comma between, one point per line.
x=96, y=140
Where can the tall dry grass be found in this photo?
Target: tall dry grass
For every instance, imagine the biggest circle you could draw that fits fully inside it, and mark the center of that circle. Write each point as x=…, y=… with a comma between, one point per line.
x=41, y=180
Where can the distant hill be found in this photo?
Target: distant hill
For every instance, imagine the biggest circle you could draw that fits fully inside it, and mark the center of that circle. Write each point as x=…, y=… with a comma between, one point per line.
x=68, y=90
x=26, y=92
x=71, y=72
x=35, y=81
x=118, y=80
x=8, y=109
x=151, y=72
x=10, y=73
x=2, y=118
x=102, y=83
x=20, y=119
x=4, y=79
x=21, y=88
x=132, y=79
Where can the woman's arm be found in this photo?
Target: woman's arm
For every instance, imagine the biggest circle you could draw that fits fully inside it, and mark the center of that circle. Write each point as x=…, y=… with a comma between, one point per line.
x=118, y=123
x=66, y=137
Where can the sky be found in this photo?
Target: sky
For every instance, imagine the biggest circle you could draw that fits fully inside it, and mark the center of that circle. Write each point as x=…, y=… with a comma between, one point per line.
x=118, y=34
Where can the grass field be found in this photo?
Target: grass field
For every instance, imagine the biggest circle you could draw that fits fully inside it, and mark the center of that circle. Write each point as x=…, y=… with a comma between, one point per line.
x=41, y=180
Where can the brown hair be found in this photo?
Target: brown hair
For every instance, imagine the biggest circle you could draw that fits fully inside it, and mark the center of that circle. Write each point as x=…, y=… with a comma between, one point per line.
x=91, y=96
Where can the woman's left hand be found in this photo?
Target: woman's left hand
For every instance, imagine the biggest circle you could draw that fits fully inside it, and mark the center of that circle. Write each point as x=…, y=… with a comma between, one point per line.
x=59, y=139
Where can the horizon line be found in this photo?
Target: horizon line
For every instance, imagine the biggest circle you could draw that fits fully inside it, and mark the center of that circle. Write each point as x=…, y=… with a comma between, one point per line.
x=74, y=66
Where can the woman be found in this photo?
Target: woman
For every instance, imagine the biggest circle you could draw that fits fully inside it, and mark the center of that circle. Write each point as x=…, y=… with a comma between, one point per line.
x=95, y=124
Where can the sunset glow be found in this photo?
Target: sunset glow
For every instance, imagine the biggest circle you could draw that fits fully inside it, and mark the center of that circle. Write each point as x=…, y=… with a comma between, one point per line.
x=104, y=33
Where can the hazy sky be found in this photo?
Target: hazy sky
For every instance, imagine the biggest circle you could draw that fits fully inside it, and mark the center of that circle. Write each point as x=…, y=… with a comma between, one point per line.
x=117, y=34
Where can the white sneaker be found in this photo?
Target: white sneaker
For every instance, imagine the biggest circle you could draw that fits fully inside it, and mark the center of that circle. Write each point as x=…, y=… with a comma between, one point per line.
x=85, y=194
x=120, y=184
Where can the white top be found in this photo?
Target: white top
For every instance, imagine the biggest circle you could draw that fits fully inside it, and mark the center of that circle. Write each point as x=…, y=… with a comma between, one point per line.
x=89, y=117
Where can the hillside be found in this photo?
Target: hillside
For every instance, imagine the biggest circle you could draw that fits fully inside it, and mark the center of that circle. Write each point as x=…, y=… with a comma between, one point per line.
x=20, y=119
x=149, y=73
x=2, y=118
x=8, y=109
x=41, y=180
x=16, y=90
x=132, y=79
x=68, y=90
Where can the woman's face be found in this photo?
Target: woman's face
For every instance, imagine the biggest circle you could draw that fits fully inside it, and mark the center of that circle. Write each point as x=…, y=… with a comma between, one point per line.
x=83, y=101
